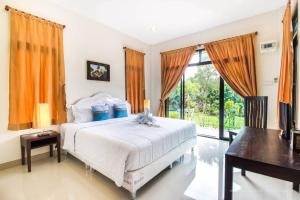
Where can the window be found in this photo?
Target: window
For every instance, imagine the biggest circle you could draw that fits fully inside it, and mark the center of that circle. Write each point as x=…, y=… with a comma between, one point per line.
x=204, y=98
x=195, y=58
x=36, y=71
x=200, y=57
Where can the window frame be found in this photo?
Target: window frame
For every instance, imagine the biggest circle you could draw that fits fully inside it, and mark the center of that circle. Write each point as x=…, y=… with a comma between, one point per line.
x=199, y=51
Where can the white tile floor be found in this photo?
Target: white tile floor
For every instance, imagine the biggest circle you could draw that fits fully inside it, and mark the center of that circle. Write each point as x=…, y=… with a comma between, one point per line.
x=199, y=177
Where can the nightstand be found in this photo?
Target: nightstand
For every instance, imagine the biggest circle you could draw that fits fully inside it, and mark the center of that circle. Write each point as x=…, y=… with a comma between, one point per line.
x=33, y=141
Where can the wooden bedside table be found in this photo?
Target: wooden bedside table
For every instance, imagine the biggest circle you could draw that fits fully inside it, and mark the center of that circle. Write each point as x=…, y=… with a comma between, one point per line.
x=33, y=141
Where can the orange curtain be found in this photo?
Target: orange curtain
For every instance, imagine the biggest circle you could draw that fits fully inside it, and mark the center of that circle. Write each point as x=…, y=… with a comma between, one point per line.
x=173, y=65
x=285, y=84
x=135, y=80
x=36, y=70
x=234, y=59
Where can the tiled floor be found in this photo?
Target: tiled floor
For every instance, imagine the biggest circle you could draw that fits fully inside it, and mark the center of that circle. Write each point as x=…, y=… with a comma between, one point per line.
x=199, y=177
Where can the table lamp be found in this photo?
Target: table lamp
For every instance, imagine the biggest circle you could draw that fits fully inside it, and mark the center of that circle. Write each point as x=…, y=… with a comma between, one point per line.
x=147, y=104
x=43, y=117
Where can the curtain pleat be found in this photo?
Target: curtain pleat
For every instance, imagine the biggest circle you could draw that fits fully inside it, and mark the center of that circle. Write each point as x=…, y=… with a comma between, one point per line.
x=135, y=79
x=173, y=65
x=285, y=85
x=37, y=72
x=234, y=59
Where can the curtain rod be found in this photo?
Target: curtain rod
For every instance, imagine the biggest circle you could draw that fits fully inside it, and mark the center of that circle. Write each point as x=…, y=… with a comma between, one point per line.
x=199, y=45
x=7, y=8
x=133, y=50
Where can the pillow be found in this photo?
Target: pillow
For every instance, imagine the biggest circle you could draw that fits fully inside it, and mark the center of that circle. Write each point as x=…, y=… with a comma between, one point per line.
x=120, y=110
x=111, y=109
x=82, y=115
x=100, y=112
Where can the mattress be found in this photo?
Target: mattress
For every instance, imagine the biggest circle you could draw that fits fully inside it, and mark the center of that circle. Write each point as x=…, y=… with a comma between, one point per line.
x=121, y=145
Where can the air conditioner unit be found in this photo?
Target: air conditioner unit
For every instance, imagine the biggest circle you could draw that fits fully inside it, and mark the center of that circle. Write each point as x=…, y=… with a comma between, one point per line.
x=267, y=47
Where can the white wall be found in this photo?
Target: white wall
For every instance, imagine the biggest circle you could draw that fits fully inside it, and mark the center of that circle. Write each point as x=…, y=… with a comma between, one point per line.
x=83, y=40
x=267, y=65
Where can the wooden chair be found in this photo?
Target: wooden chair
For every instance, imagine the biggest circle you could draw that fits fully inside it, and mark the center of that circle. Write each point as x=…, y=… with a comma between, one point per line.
x=256, y=115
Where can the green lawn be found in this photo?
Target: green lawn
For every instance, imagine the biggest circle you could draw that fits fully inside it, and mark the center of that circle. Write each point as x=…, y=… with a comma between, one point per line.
x=204, y=120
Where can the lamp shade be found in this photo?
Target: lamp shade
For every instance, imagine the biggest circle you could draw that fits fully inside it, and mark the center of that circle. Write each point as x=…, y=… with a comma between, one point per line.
x=43, y=115
x=146, y=104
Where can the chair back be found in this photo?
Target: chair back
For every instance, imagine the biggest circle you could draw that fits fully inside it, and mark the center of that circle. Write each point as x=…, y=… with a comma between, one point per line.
x=256, y=111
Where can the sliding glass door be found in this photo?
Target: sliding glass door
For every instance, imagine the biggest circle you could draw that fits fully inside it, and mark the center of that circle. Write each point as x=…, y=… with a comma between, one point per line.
x=202, y=97
x=233, y=111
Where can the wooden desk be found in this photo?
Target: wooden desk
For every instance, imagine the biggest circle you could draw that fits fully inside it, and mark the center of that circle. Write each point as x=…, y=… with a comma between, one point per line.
x=32, y=141
x=261, y=151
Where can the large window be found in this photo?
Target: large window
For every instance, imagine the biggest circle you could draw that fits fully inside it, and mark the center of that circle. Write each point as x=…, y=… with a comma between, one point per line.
x=204, y=98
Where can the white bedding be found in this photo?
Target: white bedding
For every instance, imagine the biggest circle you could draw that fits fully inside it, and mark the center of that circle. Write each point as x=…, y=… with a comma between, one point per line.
x=119, y=145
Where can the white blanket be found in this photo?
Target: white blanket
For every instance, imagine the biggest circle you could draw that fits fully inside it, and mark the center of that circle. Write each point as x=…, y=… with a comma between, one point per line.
x=115, y=146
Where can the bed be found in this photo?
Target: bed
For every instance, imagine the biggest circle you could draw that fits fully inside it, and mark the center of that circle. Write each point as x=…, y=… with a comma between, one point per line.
x=128, y=153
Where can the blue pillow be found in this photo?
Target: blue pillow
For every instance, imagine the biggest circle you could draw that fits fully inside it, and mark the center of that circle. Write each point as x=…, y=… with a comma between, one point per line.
x=100, y=112
x=120, y=110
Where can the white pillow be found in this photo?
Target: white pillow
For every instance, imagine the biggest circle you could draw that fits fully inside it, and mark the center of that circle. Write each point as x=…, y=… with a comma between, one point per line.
x=81, y=114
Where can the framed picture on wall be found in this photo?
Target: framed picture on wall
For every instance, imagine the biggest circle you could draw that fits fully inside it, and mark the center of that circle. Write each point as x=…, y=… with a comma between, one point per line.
x=98, y=71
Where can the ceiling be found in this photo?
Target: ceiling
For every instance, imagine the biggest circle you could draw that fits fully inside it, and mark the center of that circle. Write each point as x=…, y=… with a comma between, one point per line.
x=155, y=21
